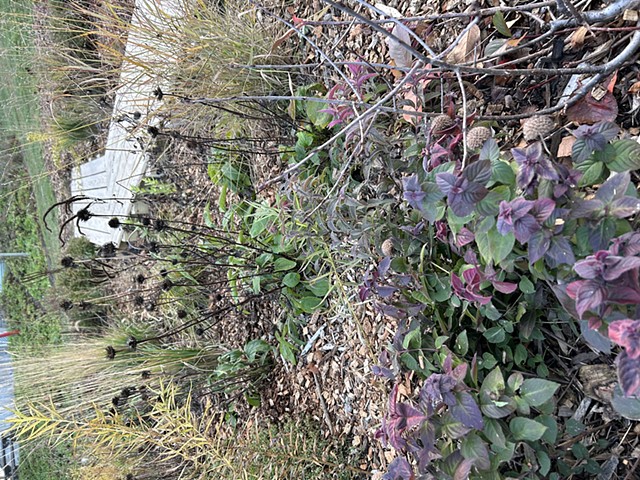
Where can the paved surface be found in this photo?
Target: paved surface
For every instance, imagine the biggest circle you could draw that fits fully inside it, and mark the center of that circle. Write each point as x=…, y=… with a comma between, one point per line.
x=110, y=179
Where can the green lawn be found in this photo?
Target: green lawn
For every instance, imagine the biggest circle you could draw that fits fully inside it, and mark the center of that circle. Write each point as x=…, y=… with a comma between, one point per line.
x=19, y=111
x=25, y=189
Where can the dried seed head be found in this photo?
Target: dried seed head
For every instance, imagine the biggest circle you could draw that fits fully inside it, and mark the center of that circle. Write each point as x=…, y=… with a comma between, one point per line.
x=140, y=278
x=536, y=127
x=441, y=122
x=477, y=136
x=159, y=225
x=387, y=247
x=132, y=342
x=67, y=262
x=181, y=314
x=111, y=352
x=107, y=250
x=199, y=331
x=84, y=215
x=114, y=222
x=66, y=305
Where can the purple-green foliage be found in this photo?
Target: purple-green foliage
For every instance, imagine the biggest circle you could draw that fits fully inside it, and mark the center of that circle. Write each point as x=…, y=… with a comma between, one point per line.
x=506, y=228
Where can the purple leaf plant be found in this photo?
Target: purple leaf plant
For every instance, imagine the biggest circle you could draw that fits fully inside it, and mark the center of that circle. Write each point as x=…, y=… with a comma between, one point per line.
x=466, y=189
x=532, y=166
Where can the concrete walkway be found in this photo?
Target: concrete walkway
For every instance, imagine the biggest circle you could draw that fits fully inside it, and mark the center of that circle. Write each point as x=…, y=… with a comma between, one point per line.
x=110, y=178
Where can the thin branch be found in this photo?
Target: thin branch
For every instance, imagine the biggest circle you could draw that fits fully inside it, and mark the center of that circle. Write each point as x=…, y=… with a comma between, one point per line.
x=464, y=118
x=482, y=12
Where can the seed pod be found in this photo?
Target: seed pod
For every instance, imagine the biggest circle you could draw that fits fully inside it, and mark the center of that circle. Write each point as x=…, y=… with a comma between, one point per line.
x=477, y=136
x=536, y=127
x=387, y=247
x=441, y=122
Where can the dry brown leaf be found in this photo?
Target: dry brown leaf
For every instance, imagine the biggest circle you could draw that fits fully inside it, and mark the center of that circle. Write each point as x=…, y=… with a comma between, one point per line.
x=416, y=107
x=464, y=51
x=589, y=110
x=400, y=55
x=576, y=39
x=635, y=88
x=566, y=146
x=388, y=11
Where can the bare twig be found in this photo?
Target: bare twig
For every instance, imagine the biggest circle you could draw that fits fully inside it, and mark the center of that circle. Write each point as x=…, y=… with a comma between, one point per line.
x=482, y=12
x=597, y=16
x=282, y=98
x=464, y=118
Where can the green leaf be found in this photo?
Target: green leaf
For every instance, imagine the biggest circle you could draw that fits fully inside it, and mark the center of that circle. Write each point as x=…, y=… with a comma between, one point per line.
x=591, y=175
x=515, y=379
x=494, y=432
x=544, y=462
x=500, y=408
x=627, y=156
x=310, y=304
x=526, y=286
x=493, y=382
x=461, y=346
x=252, y=400
x=537, y=391
x=520, y=355
x=440, y=341
x=222, y=198
x=489, y=205
x=579, y=451
x=474, y=448
x=501, y=25
x=255, y=282
x=451, y=427
x=412, y=340
x=501, y=172
x=283, y=264
x=495, y=335
x=410, y=362
x=253, y=348
x=551, y=434
x=287, y=350
x=291, y=279
x=493, y=246
x=318, y=118
x=574, y=427
x=490, y=151
x=526, y=429
x=319, y=287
